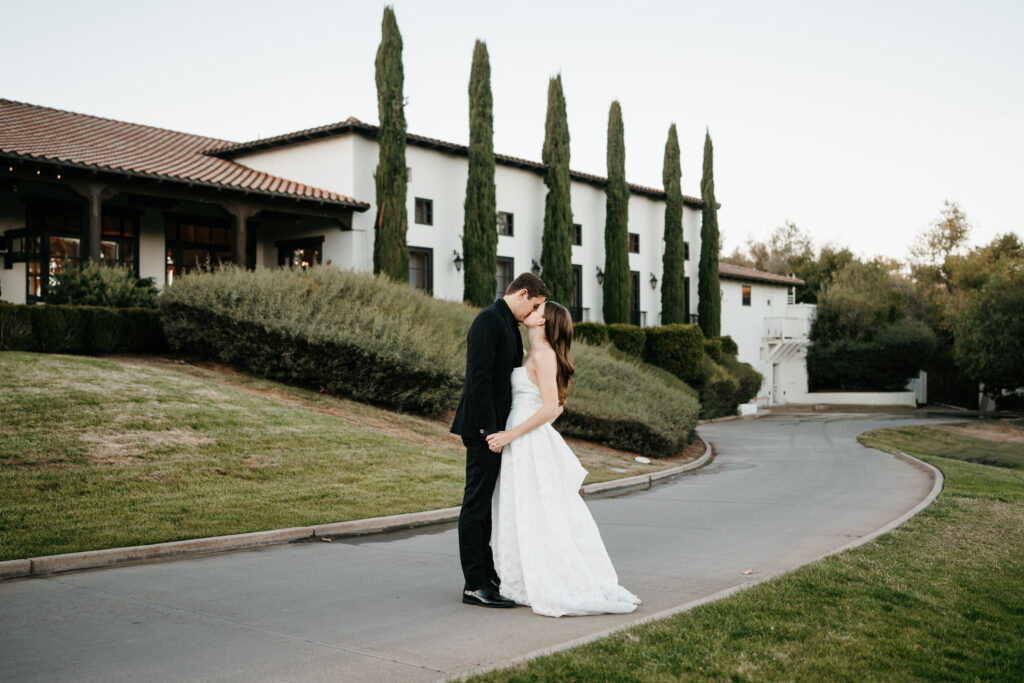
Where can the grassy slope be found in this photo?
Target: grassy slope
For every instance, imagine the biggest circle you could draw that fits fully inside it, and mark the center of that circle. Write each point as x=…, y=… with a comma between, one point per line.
x=99, y=453
x=938, y=598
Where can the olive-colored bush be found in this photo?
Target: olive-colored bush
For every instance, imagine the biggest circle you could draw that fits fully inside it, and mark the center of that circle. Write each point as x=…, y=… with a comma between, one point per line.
x=628, y=338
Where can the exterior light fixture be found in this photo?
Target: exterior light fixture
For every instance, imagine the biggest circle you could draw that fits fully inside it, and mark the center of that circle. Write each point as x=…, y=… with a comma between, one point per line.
x=457, y=260
x=654, y=281
x=600, y=276
x=535, y=267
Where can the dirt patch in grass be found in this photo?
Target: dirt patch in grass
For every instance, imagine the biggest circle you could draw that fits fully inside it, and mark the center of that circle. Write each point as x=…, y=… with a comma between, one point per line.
x=128, y=448
x=1000, y=432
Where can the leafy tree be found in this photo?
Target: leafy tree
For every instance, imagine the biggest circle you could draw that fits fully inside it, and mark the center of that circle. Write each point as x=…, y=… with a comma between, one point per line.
x=479, y=232
x=936, y=250
x=860, y=299
x=390, y=255
x=616, y=228
x=988, y=331
x=709, y=304
x=556, y=242
x=673, y=283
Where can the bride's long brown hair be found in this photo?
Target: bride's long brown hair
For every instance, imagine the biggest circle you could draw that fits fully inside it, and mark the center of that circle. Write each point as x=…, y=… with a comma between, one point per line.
x=558, y=330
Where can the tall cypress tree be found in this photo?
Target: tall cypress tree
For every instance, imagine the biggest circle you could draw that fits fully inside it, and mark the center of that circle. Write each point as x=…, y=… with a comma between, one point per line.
x=390, y=255
x=616, y=228
x=673, y=294
x=709, y=305
x=556, y=243
x=480, y=231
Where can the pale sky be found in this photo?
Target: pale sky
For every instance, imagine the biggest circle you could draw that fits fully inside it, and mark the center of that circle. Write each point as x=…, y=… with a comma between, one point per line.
x=853, y=120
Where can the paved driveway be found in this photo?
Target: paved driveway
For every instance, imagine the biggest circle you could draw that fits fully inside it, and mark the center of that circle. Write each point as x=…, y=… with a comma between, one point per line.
x=782, y=491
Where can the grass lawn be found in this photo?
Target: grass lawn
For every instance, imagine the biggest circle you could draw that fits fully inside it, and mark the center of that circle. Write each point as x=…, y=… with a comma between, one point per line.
x=939, y=598
x=99, y=453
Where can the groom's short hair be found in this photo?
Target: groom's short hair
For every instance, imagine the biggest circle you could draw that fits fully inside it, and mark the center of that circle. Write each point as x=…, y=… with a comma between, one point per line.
x=533, y=285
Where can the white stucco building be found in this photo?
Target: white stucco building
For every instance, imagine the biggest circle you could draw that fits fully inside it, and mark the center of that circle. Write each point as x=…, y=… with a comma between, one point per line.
x=76, y=186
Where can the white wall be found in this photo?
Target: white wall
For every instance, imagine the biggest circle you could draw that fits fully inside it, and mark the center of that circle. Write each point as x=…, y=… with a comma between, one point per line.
x=345, y=164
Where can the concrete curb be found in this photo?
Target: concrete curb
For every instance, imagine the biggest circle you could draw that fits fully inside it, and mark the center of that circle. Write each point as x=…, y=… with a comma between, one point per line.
x=937, y=483
x=95, y=559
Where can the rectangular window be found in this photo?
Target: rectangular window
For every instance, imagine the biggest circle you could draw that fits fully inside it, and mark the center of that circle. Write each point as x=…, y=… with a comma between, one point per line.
x=686, y=294
x=300, y=253
x=577, y=235
x=634, y=243
x=506, y=273
x=505, y=226
x=421, y=268
x=634, y=297
x=120, y=241
x=576, y=306
x=746, y=295
x=686, y=251
x=195, y=243
x=424, y=211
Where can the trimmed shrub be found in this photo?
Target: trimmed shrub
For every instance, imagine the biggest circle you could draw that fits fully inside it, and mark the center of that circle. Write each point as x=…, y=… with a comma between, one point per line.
x=677, y=348
x=595, y=334
x=750, y=380
x=52, y=328
x=621, y=402
x=59, y=329
x=16, y=328
x=885, y=363
x=94, y=284
x=718, y=392
x=729, y=347
x=353, y=334
x=628, y=338
x=713, y=348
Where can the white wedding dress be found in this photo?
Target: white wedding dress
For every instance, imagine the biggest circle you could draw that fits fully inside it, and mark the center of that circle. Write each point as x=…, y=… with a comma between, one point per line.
x=547, y=549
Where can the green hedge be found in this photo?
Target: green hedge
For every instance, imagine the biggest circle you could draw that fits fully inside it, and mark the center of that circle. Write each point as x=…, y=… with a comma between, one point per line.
x=713, y=348
x=677, y=348
x=750, y=380
x=365, y=337
x=885, y=363
x=719, y=390
x=628, y=338
x=729, y=346
x=595, y=334
x=16, y=328
x=53, y=328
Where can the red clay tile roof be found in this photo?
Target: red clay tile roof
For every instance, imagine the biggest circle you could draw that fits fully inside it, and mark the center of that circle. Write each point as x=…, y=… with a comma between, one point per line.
x=369, y=130
x=29, y=131
x=728, y=271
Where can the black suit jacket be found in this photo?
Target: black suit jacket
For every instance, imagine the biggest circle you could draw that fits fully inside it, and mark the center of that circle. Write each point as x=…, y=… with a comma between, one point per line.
x=493, y=348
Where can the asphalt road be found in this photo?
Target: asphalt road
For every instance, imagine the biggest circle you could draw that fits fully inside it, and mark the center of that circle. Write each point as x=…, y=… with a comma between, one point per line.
x=781, y=492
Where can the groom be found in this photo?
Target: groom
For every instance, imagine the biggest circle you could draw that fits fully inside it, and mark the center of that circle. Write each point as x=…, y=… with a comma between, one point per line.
x=494, y=347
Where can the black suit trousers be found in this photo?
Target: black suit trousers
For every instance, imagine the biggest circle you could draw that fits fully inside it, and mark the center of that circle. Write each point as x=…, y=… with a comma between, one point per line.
x=482, y=467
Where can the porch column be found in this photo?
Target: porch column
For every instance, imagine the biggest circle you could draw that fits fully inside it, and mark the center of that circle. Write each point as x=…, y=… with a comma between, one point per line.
x=94, y=194
x=242, y=214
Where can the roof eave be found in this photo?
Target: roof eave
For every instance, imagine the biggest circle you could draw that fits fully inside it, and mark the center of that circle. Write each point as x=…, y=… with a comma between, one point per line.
x=354, y=205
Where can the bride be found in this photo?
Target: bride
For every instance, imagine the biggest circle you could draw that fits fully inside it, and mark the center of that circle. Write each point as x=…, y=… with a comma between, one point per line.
x=547, y=549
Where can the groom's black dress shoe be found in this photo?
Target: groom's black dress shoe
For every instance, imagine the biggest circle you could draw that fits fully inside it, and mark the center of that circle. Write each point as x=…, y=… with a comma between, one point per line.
x=486, y=597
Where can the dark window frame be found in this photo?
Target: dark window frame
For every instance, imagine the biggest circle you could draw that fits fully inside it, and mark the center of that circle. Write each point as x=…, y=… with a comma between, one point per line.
x=634, y=243
x=428, y=280
x=511, y=271
x=508, y=226
x=176, y=245
x=686, y=251
x=634, y=297
x=576, y=304
x=426, y=216
x=577, y=235
x=745, y=292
